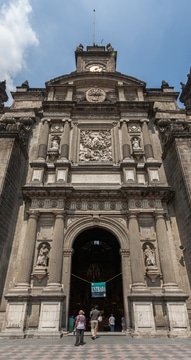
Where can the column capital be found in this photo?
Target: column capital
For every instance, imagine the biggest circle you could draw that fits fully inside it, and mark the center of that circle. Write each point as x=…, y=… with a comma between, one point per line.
x=133, y=215
x=33, y=214
x=159, y=214
x=59, y=215
x=124, y=121
x=68, y=252
x=66, y=120
x=45, y=121
x=124, y=252
x=74, y=124
x=144, y=120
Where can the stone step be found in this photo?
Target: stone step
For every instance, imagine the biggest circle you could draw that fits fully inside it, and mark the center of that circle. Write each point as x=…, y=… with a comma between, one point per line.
x=102, y=333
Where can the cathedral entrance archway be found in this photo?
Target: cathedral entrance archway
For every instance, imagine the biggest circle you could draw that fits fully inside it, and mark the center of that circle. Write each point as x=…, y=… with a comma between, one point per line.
x=96, y=258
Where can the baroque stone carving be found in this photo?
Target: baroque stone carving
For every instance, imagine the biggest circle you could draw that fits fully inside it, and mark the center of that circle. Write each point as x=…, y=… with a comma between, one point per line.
x=95, y=146
x=56, y=128
x=95, y=95
x=134, y=129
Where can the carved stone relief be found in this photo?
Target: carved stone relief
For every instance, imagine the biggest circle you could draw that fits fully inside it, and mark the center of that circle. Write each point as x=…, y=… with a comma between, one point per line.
x=101, y=204
x=134, y=128
x=95, y=95
x=145, y=204
x=56, y=128
x=95, y=146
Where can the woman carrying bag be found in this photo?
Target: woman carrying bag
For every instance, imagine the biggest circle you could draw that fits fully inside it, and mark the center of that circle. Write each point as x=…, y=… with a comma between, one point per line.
x=80, y=325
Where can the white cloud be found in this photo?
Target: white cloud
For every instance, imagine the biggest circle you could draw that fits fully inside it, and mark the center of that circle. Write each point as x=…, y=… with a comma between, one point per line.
x=16, y=35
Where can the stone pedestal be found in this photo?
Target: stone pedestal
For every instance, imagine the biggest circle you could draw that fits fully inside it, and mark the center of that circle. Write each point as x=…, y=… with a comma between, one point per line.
x=143, y=317
x=50, y=315
x=15, y=319
x=178, y=318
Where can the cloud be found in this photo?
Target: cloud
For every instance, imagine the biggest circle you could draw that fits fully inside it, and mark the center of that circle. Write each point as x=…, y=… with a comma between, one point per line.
x=16, y=36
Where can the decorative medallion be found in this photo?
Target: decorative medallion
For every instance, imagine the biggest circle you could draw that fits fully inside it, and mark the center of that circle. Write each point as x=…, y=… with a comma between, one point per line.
x=95, y=95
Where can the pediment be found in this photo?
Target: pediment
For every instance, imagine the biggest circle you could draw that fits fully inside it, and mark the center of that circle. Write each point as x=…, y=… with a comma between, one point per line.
x=86, y=77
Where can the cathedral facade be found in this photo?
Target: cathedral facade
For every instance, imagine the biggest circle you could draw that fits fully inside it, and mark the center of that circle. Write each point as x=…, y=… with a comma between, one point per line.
x=95, y=189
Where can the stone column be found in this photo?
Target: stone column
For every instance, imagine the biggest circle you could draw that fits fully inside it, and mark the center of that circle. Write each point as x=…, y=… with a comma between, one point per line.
x=125, y=141
x=56, y=254
x=74, y=142
x=64, y=146
x=136, y=256
x=43, y=139
x=26, y=263
x=146, y=138
x=164, y=252
x=66, y=279
x=125, y=262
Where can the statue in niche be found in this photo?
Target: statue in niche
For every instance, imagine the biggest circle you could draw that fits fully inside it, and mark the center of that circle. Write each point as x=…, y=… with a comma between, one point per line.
x=55, y=144
x=43, y=258
x=149, y=254
x=136, y=143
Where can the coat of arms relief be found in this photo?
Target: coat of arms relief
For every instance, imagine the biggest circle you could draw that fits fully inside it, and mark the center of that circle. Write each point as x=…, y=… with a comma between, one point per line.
x=95, y=145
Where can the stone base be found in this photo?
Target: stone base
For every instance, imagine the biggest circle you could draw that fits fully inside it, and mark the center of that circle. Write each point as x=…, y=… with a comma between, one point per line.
x=50, y=316
x=143, y=317
x=178, y=317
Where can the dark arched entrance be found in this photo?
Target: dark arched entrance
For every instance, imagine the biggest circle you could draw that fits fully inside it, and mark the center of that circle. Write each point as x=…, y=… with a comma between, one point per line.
x=97, y=258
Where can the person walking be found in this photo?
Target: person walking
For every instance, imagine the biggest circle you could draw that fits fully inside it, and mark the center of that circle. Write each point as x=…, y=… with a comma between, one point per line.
x=80, y=325
x=112, y=323
x=94, y=314
x=123, y=327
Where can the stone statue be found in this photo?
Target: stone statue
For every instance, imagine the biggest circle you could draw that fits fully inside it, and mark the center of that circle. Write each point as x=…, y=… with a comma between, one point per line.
x=149, y=254
x=135, y=143
x=80, y=47
x=42, y=258
x=164, y=84
x=55, y=144
x=109, y=47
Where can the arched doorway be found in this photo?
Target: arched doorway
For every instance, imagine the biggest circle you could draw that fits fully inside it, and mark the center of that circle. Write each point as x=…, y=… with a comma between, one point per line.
x=96, y=258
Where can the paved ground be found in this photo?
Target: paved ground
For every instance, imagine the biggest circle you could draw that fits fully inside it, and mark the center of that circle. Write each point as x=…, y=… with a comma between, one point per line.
x=105, y=347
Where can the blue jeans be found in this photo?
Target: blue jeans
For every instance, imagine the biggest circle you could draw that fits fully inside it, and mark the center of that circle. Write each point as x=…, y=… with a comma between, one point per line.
x=112, y=327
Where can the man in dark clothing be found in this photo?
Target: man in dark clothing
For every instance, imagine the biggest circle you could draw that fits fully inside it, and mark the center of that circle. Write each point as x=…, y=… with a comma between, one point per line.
x=94, y=314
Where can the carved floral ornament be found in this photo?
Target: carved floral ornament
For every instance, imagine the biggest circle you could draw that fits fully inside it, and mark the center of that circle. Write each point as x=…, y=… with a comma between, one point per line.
x=96, y=204
x=95, y=146
x=95, y=95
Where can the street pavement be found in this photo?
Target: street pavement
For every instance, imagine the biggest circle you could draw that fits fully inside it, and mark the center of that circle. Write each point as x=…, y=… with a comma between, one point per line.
x=104, y=347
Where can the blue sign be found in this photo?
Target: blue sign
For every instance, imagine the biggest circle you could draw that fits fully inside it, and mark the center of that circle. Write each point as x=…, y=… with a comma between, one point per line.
x=98, y=289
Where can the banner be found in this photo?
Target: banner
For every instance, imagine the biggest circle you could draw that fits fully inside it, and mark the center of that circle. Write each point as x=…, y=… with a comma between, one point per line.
x=98, y=289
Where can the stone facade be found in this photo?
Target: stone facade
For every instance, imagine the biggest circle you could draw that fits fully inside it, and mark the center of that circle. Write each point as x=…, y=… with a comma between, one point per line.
x=95, y=150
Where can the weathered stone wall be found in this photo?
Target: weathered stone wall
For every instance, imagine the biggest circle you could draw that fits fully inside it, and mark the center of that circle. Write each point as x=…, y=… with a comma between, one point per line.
x=12, y=171
x=178, y=170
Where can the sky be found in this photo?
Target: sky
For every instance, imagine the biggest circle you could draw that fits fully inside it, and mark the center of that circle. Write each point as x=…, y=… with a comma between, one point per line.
x=38, y=38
